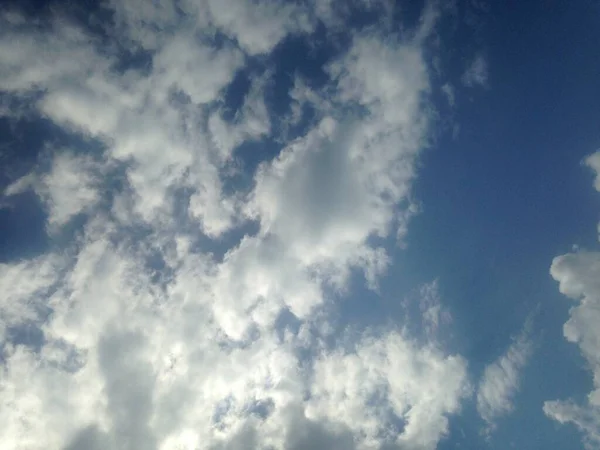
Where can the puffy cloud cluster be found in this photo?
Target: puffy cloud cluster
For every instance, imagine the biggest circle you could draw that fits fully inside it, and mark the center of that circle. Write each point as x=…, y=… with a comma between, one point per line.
x=146, y=336
x=389, y=389
x=578, y=277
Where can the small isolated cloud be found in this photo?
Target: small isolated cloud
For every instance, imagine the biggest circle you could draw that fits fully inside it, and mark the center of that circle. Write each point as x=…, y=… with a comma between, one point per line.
x=578, y=275
x=501, y=380
x=476, y=73
x=448, y=91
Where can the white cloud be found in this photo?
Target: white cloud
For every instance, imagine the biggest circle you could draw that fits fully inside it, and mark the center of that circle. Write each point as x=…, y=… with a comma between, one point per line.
x=593, y=161
x=151, y=341
x=389, y=390
x=476, y=73
x=69, y=188
x=585, y=418
x=257, y=27
x=578, y=277
x=32, y=59
x=196, y=69
x=250, y=123
x=261, y=25
x=501, y=380
x=434, y=315
x=24, y=287
x=145, y=24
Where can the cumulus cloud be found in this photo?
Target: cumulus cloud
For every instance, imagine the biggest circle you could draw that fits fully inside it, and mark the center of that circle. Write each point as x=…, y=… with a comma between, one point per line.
x=577, y=275
x=389, y=390
x=501, y=379
x=158, y=327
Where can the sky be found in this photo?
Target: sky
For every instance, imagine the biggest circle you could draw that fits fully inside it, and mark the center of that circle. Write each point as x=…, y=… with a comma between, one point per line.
x=299, y=225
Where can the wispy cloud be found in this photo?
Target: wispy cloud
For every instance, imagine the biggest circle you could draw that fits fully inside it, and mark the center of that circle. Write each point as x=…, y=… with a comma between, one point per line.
x=501, y=380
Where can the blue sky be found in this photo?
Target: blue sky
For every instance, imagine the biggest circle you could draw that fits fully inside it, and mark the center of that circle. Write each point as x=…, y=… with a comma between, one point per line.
x=299, y=225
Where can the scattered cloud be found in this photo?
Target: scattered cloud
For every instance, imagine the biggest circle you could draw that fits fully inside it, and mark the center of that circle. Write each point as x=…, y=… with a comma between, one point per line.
x=157, y=327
